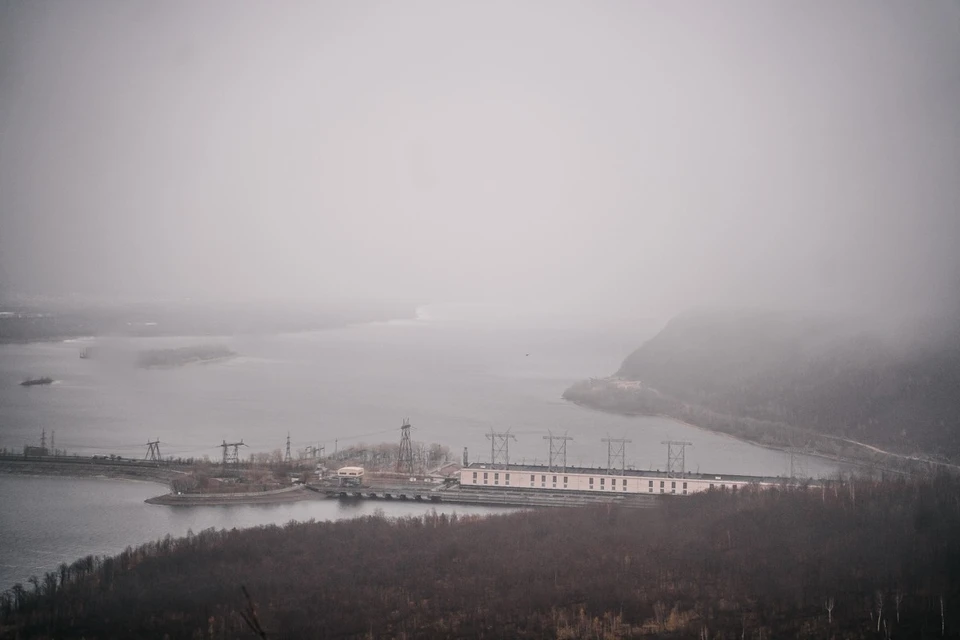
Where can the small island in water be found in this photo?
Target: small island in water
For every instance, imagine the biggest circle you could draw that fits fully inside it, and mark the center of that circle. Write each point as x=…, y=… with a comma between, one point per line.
x=32, y=382
x=183, y=355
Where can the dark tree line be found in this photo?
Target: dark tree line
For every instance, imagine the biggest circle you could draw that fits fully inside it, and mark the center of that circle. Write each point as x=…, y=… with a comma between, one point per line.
x=852, y=560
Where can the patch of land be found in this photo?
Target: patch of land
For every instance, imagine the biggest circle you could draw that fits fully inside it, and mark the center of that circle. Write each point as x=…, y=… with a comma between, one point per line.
x=178, y=357
x=78, y=467
x=24, y=319
x=287, y=494
x=877, y=395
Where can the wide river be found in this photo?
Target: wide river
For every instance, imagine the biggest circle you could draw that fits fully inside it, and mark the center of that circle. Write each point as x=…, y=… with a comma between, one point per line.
x=454, y=379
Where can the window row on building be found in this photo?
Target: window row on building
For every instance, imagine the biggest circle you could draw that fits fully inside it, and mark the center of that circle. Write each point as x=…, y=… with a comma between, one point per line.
x=591, y=482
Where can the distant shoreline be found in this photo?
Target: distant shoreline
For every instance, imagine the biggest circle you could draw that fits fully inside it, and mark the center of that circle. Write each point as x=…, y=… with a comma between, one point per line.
x=57, y=323
x=875, y=457
x=61, y=470
x=665, y=416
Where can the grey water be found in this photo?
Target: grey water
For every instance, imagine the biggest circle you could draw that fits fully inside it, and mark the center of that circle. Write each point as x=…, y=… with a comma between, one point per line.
x=454, y=379
x=45, y=521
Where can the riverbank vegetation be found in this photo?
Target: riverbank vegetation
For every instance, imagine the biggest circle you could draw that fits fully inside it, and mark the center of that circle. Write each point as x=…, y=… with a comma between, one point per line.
x=853, y=560
x=783, y=381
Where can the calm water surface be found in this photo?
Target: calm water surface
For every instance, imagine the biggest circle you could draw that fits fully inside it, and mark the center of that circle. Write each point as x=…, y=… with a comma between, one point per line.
x=46, y=521
x=454, y=380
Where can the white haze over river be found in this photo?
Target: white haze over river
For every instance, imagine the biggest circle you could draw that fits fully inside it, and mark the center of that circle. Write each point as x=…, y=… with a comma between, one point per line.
x=454, y=374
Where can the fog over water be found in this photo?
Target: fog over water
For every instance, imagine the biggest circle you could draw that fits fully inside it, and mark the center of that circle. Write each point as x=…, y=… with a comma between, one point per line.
x=542, y=183
x=455, y=379
x=606, y=158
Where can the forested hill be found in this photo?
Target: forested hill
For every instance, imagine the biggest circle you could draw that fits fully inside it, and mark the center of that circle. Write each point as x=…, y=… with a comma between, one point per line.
x=896, y=387
x=832, y=561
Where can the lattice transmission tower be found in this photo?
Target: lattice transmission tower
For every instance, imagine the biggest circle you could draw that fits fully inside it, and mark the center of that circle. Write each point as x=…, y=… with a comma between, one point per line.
x=153, y=451
x=405, y=455
x=798, y=467
x=500, y=448
x=231, y=453
x=676, y=457
x=558, y=451
x=616, y=452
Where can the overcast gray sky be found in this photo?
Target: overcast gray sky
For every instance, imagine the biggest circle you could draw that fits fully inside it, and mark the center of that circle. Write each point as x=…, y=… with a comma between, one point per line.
x=641, y=156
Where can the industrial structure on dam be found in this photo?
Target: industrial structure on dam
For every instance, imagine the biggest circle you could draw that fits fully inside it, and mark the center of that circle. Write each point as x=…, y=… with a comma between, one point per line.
x=615, y=478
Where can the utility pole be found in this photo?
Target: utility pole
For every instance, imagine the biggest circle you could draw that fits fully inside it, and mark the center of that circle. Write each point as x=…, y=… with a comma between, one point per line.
x=53, y=442
x=676, y=459
x=558, y=450
x=616, y=452
x=153, y=451
x=43, y=442
x=405, y=455
x=500, y=448
x=286, y=458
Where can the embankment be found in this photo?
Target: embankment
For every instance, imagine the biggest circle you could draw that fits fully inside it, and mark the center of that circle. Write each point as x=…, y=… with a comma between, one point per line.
x=78, y=467
x=287, y=494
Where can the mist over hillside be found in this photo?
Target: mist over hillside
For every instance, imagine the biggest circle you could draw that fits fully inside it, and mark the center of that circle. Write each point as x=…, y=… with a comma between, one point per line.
x=762, y=374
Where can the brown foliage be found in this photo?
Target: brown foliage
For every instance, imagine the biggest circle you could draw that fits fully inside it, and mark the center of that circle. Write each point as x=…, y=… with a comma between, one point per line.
x=720, y=565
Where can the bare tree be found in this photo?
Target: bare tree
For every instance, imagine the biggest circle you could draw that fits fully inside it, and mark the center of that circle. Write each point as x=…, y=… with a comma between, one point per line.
x=897, y=599
x=660, y=613
x=879, y=597
x=828, y=605
x=942, y=623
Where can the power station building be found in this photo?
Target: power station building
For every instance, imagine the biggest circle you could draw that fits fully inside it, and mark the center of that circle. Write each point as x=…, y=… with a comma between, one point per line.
x=542, y=477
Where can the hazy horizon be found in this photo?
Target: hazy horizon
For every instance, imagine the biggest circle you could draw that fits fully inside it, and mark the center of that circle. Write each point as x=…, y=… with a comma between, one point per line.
x=609, y=158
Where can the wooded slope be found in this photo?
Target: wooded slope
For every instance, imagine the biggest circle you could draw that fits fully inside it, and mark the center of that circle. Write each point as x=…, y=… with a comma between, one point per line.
x=734, y=564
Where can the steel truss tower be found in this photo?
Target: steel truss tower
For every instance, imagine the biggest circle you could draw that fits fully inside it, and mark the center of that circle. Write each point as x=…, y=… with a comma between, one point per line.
x=798, y=467
x=676, y=457
x=231, y=455
x=616, y=453
x=500, y=448
x=405, y=455
x=558, y=451
x=153, y=451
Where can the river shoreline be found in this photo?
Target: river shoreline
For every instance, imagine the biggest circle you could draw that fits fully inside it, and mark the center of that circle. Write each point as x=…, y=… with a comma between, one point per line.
x=159, y=476
x=813, y=453
x=276, y=496
x=664, y=416
x=71, y=469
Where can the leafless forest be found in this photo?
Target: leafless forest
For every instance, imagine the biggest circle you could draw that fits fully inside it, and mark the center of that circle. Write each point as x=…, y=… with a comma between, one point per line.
x=854, y=560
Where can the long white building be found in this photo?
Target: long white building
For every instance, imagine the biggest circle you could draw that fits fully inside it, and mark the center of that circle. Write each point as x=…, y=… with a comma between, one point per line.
x=602, y=480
